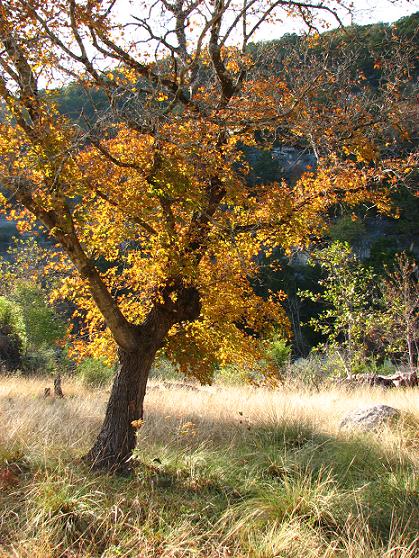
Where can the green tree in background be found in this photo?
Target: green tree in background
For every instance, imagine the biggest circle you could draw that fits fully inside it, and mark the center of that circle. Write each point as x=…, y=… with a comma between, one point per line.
x=349, y=293
x=43, y=325
x=397, y=322
x=31, y=322
x=12, y=334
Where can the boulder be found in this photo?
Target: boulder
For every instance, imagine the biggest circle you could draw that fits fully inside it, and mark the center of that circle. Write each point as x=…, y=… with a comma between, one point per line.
x=369, y=418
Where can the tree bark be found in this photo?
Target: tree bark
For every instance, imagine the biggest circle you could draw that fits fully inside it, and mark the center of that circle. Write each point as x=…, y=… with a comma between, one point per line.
x=117, y=438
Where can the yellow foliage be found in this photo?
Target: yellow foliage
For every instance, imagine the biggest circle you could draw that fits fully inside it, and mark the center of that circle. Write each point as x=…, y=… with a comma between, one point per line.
x=168, y=202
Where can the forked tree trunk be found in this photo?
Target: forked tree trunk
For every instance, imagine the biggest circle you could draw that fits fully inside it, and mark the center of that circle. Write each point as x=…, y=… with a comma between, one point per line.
x=117, y=439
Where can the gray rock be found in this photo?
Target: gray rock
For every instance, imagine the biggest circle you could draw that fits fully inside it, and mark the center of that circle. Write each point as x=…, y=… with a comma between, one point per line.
x=370, y=418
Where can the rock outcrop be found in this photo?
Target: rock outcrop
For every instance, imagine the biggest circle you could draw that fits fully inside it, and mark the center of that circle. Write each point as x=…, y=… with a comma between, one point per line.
x=370, y=418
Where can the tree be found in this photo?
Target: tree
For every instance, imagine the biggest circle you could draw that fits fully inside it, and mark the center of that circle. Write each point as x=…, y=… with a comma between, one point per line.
x=44, y=326
x=12, y=334
x=149, y=205
x=25, y=261
x=366, y=314
x=348, y=293
x=397, y=324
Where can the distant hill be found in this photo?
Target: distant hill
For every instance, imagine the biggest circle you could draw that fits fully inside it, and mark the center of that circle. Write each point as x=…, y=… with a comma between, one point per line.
x=368, y=43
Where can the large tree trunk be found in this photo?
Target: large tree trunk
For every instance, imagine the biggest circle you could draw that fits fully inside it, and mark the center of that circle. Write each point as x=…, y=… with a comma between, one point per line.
x=117, y=438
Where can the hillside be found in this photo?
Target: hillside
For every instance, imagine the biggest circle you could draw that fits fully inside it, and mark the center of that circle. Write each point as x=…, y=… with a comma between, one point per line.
x=368, y=45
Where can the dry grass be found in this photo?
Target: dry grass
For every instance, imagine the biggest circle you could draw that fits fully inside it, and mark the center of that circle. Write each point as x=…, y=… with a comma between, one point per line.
x=220, y=407
x=226, y=471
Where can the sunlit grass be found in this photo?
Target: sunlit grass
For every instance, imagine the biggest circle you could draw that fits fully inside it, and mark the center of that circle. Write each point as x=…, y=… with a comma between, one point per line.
x=222, y=472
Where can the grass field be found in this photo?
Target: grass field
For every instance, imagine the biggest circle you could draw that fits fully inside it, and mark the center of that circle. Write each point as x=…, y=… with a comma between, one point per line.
x=222, y=472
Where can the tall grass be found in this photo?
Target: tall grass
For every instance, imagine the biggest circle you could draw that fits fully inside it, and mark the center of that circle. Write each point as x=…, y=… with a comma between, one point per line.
x=221, y=472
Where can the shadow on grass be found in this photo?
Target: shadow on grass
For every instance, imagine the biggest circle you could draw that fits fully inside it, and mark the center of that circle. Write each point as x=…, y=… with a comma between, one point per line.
x=374, y=481
x=197, y=469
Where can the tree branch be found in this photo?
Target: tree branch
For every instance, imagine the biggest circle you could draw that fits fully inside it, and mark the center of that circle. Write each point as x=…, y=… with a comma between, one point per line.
x=60, y=225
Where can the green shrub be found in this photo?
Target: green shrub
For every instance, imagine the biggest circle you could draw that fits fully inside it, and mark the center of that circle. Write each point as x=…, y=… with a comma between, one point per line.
x=308, y=371
x=346, y=229
x=232, y=374
x=43, y=326
x=372, y=366
x=164, y=369
x=11, y=319
x=280, y=353
x=317, y=369
x=41, y=361
x=33, y=327
x=94, y=372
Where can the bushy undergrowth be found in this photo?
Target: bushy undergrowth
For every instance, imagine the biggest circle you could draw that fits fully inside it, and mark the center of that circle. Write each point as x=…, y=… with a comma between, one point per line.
x=280, y=353
x=163, y=370
x=222, y=472
x=11, y=318
x=33, y=329
x=94, y=373
x=43, y=326
x=321, y=370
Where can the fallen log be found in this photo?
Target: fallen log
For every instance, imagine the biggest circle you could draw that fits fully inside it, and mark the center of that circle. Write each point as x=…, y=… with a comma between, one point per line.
x=406, y=379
